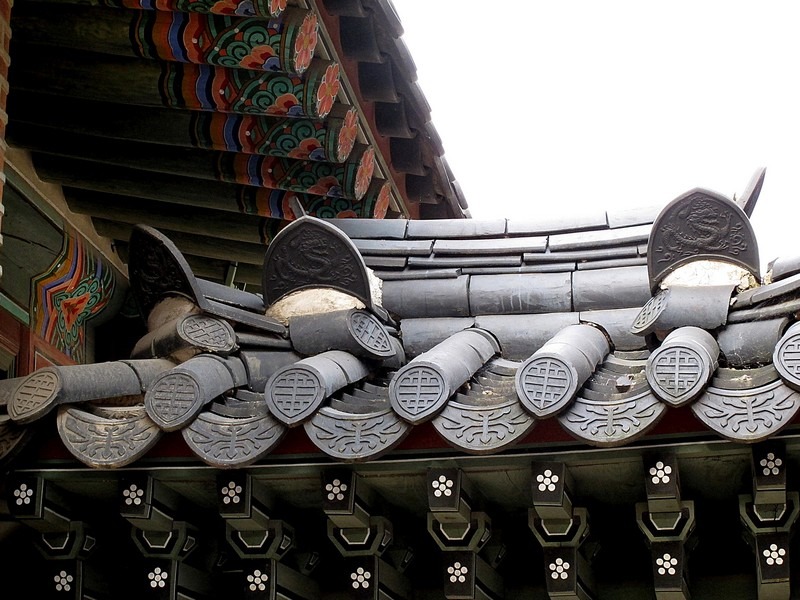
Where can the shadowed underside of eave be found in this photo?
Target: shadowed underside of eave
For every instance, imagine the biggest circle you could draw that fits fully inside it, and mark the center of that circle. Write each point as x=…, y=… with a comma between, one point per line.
x=223, y=126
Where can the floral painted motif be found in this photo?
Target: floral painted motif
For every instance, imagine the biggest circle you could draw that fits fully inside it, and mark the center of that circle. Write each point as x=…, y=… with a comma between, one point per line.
x=365, y=170
x=225, y=41
x=203, y=87
x=306, y=43
x=347, y=135
x=326, y=186
x=347, y=214
x=382, y=205
x=304, y=139
x=261, y=58
x=306, y=148
x=276, y=7
x=285, y=104
x=328, y=90
x=231, y=7
x=243, y=8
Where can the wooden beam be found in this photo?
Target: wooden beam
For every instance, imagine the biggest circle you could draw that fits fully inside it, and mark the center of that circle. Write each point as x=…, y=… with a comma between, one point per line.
x=211, y=223
x=328, y=141
x=203, y=267
x=212, y=269
x=174, y=189
x=145, y=82
x=190, y=192
x=348, y=180
x=198, y=245
x=259, y=8
x=285, y=44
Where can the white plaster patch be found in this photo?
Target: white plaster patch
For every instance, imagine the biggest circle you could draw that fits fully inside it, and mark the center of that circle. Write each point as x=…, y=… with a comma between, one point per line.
x=321, y=300
x=311, y=302
x=169, y=309
x=710, y=272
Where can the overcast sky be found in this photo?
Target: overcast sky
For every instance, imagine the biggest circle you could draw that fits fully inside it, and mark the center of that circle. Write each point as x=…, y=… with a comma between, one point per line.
x=552, y=106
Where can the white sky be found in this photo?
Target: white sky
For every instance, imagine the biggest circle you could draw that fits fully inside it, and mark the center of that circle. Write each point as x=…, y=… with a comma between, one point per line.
x=551, y=106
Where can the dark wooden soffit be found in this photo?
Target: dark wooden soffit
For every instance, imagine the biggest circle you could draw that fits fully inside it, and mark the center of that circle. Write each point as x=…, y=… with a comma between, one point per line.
x=222, y=121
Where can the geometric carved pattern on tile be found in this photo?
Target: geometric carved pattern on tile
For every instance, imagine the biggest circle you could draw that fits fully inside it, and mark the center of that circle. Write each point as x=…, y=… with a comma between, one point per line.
x=646, y=319
x=550, y=378
x=418, y=392
x=103, y=442
x=614, y=422
x=786, y=357
x=483, y=429
x=35, y=396
x=748, y=415
x=370, y=333
x=680, y=368
x=546, y=384
x=295, y=393
x=419, y=389
x=173, y=400
x=355, y=331
x=700, y=305
x=677, y=371
x=354, y=437
x=225, y=442
x=210, y=333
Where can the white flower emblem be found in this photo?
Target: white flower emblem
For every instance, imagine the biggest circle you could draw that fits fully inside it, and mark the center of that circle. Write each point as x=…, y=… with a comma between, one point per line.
x=666, y=564
x=360, y=578
x=774, y=555
x=547, y=481
x=559, y=569
x=457, y=572
x=230, y=493
x=157, y=577
x=257, y=581
x=771, y=465
x=23, y=494
x=442, y=486
x=133, y=495
x=63, y=580
x=660, y=473
x=335, y=490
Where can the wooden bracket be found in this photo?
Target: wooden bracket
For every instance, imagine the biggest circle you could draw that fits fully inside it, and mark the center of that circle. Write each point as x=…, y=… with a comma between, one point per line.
x=560, y=528
x=667, y=523
x=769, y=516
